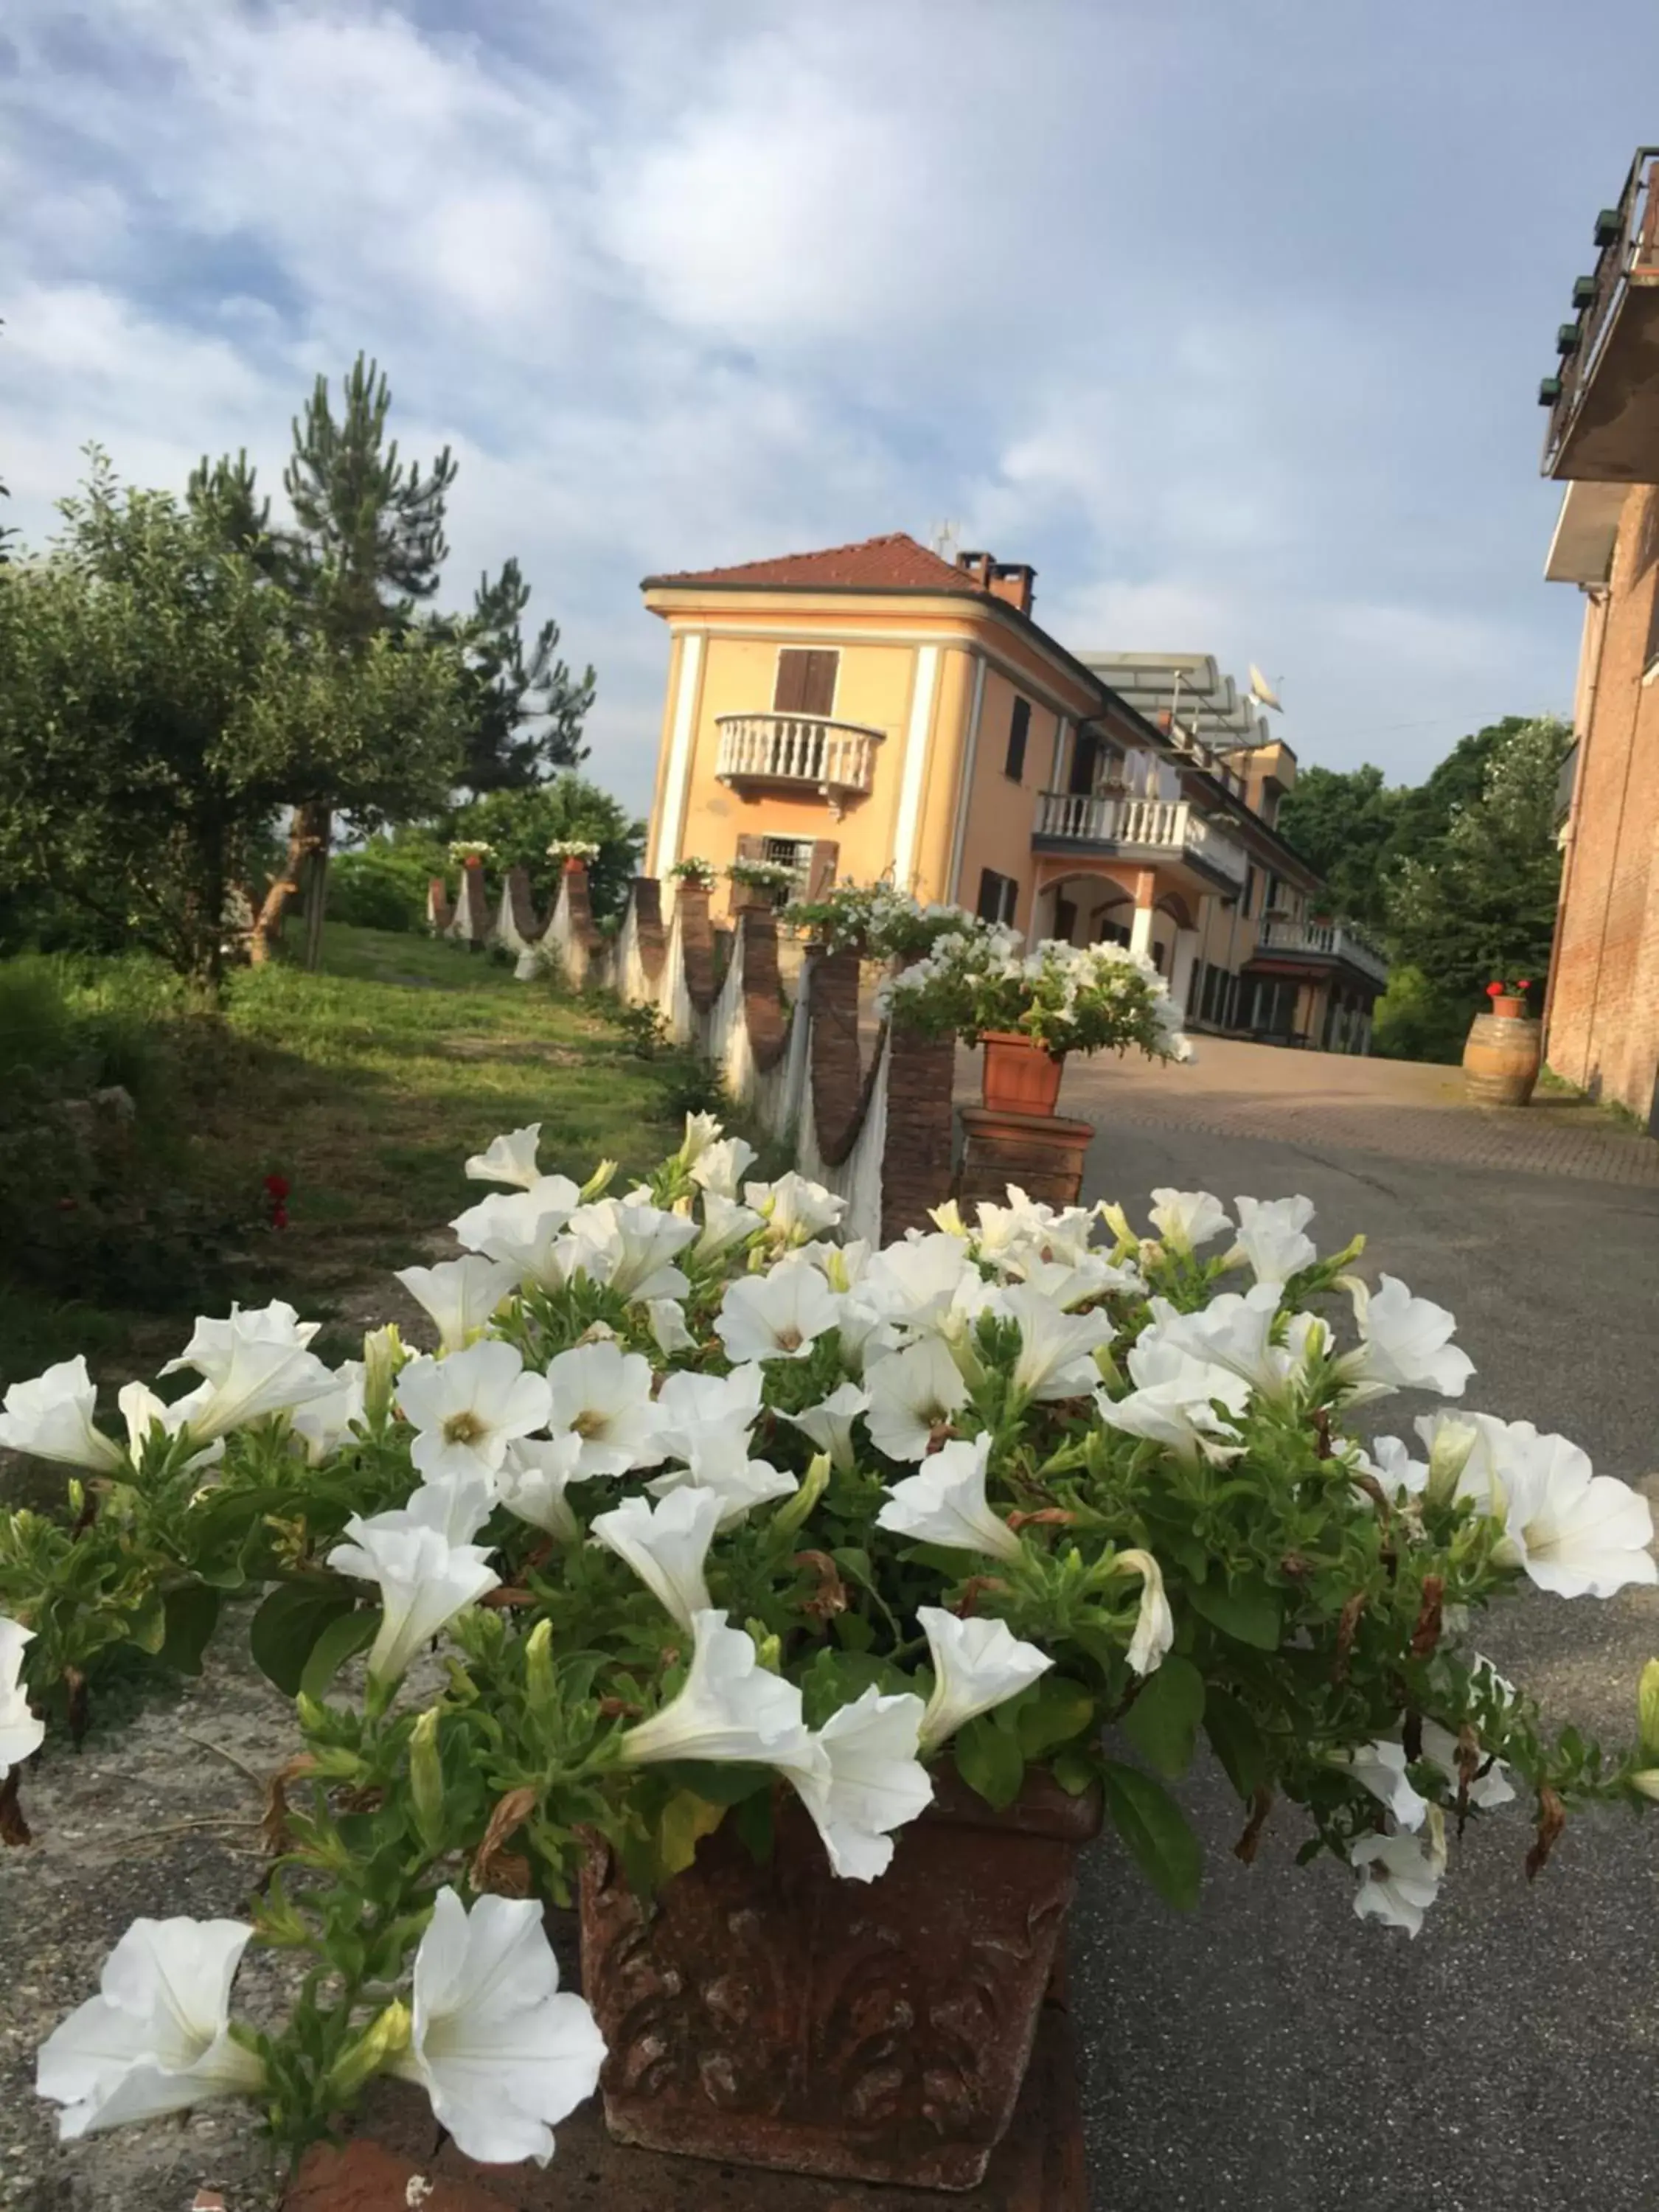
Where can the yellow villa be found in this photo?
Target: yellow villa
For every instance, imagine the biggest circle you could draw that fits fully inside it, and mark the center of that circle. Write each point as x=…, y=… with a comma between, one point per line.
x=878, y=711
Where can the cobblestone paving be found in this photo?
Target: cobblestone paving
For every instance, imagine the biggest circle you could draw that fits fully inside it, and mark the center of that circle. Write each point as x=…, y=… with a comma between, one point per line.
x=1394, y=1110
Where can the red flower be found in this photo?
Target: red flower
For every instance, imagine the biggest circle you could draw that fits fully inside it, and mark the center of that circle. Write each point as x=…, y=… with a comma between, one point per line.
x=1525, y=984
x=277, y=1187
x=279, y=1216
x=1495, y=991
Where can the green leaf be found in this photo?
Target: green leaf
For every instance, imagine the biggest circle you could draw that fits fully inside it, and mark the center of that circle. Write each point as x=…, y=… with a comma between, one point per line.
x=686, y=1819
x=147, y=1623
x=341, y=1640
x=1075, y=1770
x=1155, y=1833
x=751, y=1823
x=1163, y=1722
x=1248, y=1610
x=720, y=1785
x=284, y=1631
x=989, y=1760
x=1237, y=1742
x=1052, y=1713
x=192, y=1614
x=1648, y=1709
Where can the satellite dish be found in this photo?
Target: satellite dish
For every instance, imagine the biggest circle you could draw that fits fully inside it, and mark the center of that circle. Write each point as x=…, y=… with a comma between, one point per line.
x=1262, y=692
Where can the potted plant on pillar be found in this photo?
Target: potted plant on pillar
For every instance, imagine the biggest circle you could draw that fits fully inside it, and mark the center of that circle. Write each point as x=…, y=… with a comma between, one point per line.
x=1030, y=1010
x=806, y=1608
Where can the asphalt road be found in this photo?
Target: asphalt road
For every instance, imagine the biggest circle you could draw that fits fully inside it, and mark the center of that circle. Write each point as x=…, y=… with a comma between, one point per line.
x=1271, y=2049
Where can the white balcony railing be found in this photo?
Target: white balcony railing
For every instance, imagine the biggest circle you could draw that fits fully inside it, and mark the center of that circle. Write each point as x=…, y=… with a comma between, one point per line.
x=1157, y=825
x=835, y=757
x=1328, y=938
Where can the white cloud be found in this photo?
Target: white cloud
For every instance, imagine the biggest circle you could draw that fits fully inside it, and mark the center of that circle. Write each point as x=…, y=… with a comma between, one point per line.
x=698, y=280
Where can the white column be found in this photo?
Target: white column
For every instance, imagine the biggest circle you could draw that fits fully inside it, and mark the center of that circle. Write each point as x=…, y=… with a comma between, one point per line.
x=1140, y=931
x=1181, y=966
x=965, y=788
x=676, y=783
x=915, y=765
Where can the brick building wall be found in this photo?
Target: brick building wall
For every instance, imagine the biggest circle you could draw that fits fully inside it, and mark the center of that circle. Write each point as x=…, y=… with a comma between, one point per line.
x=1603, y=1031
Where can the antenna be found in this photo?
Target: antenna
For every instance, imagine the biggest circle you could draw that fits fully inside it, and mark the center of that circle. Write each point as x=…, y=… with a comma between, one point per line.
x=947, y=537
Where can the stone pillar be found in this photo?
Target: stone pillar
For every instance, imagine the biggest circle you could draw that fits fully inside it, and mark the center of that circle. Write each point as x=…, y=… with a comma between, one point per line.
x=1181, y=966
x=1140, y=930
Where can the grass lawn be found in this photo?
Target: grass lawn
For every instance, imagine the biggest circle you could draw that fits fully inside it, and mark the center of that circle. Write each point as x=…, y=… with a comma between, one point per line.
x=365, y=1086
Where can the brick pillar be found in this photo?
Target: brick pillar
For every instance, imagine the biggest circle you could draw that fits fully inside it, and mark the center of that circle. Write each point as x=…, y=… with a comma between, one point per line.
x=840, y=1085
x=697, y=944
x=915, y=1161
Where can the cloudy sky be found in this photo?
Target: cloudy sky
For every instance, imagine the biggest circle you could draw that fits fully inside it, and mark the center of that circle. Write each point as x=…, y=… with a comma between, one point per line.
x=1228, y=314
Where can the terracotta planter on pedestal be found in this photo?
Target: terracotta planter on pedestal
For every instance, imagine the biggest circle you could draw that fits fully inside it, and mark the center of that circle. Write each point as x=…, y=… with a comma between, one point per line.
x=1040, y=1152
x=1018, y=1077
x=1502, y=1057
x=778, y=2016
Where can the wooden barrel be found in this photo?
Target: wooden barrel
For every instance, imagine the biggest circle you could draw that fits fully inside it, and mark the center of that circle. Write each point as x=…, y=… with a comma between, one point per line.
x=1501, y=1060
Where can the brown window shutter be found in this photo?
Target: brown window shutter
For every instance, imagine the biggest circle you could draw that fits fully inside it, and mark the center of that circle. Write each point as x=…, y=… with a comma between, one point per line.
x=751, y=847
x=820, y=683
x=790, y=690
x=821, y=868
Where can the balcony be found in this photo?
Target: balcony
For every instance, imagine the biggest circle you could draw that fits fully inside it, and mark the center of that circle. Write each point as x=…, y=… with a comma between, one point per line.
x=1604, y=396
x=796, y=752
x=1321, y=941
x=1139, y=829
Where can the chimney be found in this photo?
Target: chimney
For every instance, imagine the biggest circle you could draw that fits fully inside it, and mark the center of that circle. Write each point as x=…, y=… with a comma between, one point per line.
x=1004, y=580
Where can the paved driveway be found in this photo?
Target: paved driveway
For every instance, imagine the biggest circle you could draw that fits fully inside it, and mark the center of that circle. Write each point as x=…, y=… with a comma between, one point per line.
x=1271, y=2052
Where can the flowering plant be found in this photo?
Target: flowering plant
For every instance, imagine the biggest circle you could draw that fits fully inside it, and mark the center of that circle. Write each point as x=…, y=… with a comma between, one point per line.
x=761, y=875
x=1499, y=990
x=707, y=1507
x=470, y=851
x=572, y=848
x=876, y=920
x=1065, y=998
x=692, y=870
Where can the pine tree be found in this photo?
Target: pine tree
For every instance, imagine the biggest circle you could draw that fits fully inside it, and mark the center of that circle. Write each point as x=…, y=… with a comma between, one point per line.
x=525, y=714
x=368, y=544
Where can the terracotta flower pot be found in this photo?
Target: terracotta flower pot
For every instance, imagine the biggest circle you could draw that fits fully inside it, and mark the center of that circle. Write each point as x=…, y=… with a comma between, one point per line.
x=1502, y=1055
x=776, y=2015
x=1018, y=1077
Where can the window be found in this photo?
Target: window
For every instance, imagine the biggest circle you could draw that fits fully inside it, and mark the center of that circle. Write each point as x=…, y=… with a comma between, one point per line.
x=1018, y=730
x=806, y=681
x=1065, y=920
x=795, y=853
x=998, y=896
x=1111, y=933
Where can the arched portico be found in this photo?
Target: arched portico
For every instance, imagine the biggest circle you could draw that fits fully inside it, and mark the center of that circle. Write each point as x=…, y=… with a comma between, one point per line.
x=1116, y=899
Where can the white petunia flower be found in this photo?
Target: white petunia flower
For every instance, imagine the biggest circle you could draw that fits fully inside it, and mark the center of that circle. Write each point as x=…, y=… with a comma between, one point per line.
x=631, y=1247
x=912, y=1393
x=510, y=1158
x=213, y=1344
x=1184, y=1219
x=156, y=2038
x=1056, y=1348
x=254, y=1364
x=977, y=1664
x=467, y=1409
x=424, y=1582
x=725, y=1224
x=666, y=1318
x=916, y=1282
x=795, y=1208
x=1174, y=1402
x=730, y=1708
x=778, y=1316
x=1388, y=1459
x=1575, y=1532
x=1405, y=1344
x=1154, y=1630
x=864, y=1780
x=701, y=1131
x=461, y=1295
x=1068, y=1283
x=604, y=1395
x=666, y=1545
x=721, y=1463
x=1400, y=1876
x=22, y=1732
x=50, y=1418
x=1271, y=1237
x=501, y=2052
x=944, y=1502
x=1380, y=1767
x=1488, y=1790
x=325, y=1423
x=829, y=1423
x=721, y=1167
x=521, y=1231
x=535, y=1475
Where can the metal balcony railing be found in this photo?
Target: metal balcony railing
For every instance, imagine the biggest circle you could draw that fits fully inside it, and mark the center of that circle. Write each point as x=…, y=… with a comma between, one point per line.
x=1630, y=249
x=1328, y=938
x=1158, y=825
x=836, y=758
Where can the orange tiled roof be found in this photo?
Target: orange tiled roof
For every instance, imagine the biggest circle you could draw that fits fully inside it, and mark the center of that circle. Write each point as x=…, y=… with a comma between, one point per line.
x=895, y=563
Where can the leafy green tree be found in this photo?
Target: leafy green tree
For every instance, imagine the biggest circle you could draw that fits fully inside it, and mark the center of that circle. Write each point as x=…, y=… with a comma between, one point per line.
x=1481, y=902
x=525, y=710
x=159, y=698
x=1343, y=823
